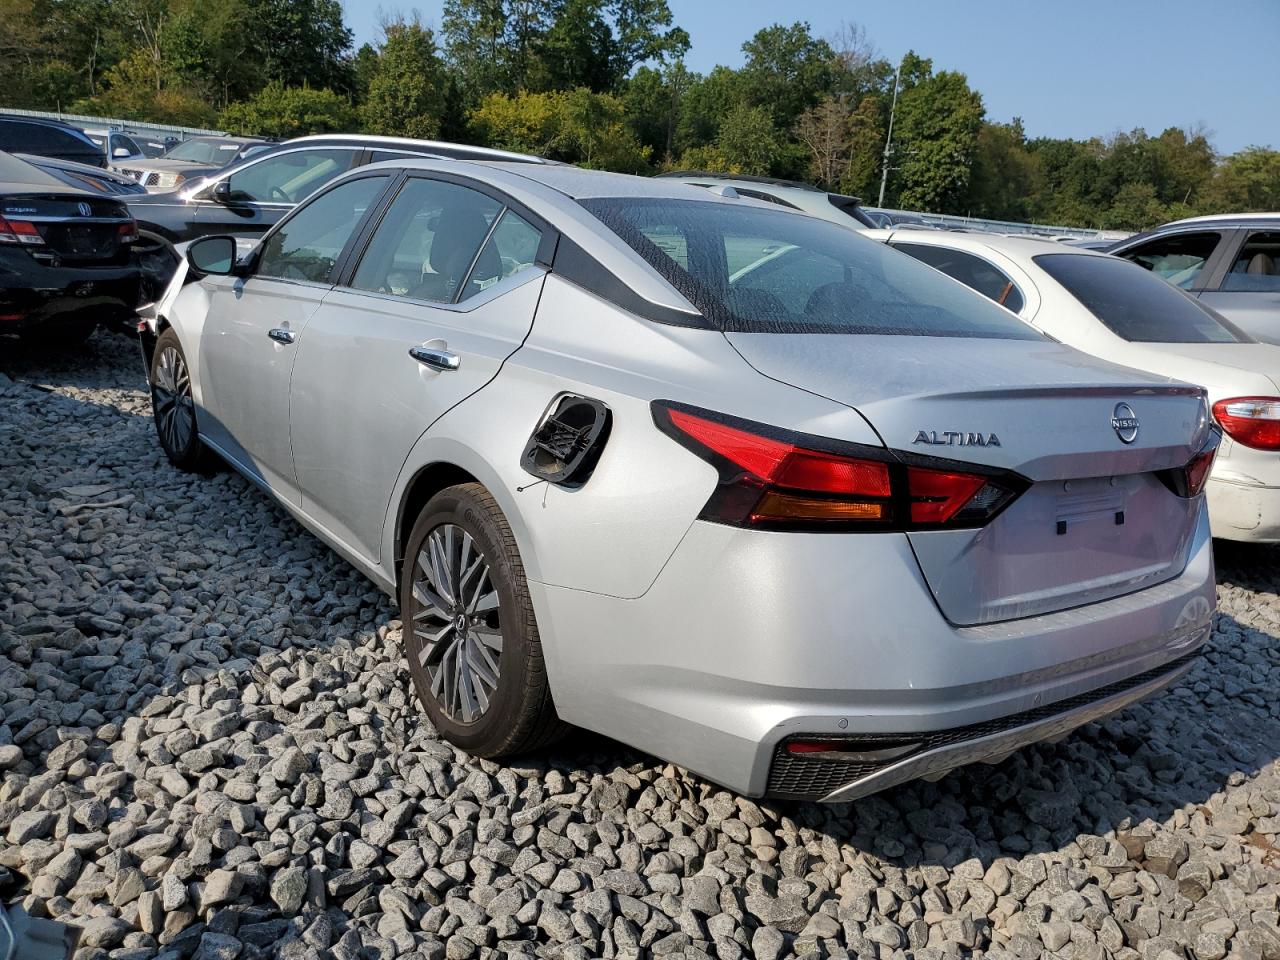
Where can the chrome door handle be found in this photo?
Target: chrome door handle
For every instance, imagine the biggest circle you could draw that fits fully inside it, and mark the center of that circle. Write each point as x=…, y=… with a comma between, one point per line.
x=281, y=334
x=435, y=359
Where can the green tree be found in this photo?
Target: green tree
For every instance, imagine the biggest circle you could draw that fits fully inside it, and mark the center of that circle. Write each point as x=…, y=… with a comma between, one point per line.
x=300, y=42
x=280, y=111
x=406, y=95
x=936, y=137
x=1003, y=176
x=575, y=126
x=704, y=106
x=748, y=141
x=787, y=71
x=1246, y=181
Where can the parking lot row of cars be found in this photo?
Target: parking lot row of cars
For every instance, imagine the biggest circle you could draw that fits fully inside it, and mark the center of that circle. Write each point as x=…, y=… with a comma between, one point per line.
x=754, y=488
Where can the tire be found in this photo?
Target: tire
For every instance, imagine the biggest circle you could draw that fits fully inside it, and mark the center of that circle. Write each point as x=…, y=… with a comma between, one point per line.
x=174, y=407
x=462, y=535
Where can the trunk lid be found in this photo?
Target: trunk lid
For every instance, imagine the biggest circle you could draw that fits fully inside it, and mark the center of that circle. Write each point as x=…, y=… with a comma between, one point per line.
x=1096, y=522
x=79, y=229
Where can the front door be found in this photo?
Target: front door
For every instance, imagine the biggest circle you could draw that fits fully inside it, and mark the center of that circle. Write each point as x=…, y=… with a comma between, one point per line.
x=1249, y=294
x=254, y=324
x=445, y=292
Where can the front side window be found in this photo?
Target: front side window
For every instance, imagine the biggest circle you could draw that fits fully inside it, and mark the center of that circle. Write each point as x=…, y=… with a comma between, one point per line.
x=1179, y=259
x=288, y=177
x=1257, y=266
x=307, y=245
x=973, y=271
x=752, y=269
x=427, y=242
x=1135, y=305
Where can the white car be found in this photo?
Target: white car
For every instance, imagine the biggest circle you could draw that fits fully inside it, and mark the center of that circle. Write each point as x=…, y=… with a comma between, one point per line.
x=1121, y=312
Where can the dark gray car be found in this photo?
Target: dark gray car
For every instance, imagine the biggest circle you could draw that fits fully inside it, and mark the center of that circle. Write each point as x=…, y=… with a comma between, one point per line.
x=1230, y=262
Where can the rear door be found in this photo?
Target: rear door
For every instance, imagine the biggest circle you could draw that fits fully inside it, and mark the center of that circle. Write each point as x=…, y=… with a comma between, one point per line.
x=251, y=332
x=445, y=291
x=1249, y=291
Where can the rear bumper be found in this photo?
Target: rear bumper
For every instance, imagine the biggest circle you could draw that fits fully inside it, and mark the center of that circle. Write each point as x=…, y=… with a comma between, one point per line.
x=749, y=638
x=1240, y=510
x=36, y=294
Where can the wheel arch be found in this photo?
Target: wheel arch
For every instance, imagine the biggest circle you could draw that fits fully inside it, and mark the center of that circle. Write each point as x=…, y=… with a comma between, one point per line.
x=425, y=484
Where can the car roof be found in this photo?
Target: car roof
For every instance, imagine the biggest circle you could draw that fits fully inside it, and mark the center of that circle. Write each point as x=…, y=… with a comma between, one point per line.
x=581, y=183
x=1016, y=247
x=740, y=178
x=1222, y=219
x=418, y=145
x=18, y=176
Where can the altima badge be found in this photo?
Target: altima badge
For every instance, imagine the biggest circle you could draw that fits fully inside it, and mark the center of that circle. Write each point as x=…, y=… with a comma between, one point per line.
x=1125, y=423
x=956, y=438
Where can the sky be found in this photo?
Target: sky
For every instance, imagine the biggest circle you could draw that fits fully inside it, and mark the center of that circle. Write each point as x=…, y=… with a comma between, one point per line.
x=1080, y=69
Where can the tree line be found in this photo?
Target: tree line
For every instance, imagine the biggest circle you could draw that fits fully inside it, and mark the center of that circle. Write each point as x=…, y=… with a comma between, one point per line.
x=604, y=83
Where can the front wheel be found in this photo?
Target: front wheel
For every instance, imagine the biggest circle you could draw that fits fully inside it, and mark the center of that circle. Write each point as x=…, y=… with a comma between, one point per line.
x=469, y=631
x=174, y=407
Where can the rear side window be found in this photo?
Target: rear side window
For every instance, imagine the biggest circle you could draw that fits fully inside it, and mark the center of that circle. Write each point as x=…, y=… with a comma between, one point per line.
x=307, y=245
x=1257, y=266
x=512, y=248
x=427, y=242
x=1178, y=259
x=1133, y=304
x=752, y=269
x=973, y=271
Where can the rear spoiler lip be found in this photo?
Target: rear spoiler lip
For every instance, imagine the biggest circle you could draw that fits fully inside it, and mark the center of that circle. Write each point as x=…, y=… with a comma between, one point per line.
x=1031, y=392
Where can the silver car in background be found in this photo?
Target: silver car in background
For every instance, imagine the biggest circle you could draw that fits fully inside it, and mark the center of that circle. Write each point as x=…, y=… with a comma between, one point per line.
x=738, y=487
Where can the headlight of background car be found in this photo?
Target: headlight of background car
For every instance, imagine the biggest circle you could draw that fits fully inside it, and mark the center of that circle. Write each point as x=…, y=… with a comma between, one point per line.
x=170, y=180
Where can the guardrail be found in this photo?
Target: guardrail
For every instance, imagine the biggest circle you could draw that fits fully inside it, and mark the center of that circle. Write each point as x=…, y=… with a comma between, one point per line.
x=134, y=127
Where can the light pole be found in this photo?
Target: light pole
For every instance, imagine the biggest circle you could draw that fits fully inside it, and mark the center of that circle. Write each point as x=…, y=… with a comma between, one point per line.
x=888, y=140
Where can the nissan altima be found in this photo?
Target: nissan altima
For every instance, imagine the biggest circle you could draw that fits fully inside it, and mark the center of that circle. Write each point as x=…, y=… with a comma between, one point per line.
x=733, y=485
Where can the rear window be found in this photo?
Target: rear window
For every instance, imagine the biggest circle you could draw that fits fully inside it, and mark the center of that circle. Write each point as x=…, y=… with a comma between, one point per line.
x=1135, y=304
x=757, y=270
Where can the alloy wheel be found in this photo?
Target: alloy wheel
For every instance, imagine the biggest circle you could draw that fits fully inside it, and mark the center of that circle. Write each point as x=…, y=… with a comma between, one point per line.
x=456, y=623
x=171, y=399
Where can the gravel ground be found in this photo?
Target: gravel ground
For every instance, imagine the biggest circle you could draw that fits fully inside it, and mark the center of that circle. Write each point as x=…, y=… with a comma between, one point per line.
x=209, y=748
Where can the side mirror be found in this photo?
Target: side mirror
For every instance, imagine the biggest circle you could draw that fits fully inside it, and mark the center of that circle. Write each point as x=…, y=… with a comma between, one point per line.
x=120, y=152
x=215, y=255
x=221, y=192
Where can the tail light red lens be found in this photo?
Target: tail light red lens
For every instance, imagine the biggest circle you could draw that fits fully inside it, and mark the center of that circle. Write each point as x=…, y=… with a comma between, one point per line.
x=128, y=231
x=1253, y=421
x=19, y=231
x=1189, y=480
x=774, y=479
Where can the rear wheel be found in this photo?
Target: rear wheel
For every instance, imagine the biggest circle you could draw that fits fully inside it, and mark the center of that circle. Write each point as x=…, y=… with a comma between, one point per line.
x=469, y=631
x=174, y=407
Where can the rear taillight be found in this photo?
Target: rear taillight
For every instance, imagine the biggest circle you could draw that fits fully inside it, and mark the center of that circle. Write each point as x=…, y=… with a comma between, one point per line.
x=776, y=480
x=128, y=231
x=1253, y=421
x=1189, y=480
x=19, y=231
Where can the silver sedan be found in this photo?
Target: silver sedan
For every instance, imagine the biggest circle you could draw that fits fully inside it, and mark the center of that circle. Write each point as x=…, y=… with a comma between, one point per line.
x=735, y=486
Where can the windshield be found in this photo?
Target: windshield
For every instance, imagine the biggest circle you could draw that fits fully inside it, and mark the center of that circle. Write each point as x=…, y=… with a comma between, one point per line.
x=1135, y=304
x=204, y=151
x=752, y=269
